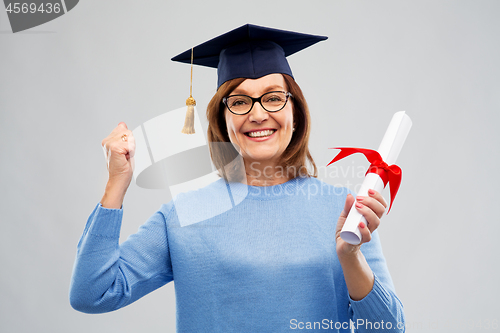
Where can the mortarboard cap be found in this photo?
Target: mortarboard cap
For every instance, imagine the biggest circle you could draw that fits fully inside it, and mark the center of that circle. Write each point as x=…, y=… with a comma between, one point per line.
x=249, y=51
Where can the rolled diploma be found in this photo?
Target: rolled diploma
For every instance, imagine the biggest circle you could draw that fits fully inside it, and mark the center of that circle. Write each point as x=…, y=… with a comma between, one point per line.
x=389, y=149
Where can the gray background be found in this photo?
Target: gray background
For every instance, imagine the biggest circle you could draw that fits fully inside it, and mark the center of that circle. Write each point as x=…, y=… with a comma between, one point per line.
x=66, y=84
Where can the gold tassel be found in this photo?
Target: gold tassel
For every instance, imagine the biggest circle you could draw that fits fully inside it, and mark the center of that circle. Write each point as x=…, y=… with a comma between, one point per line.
x=189, y=121
x=190, y=103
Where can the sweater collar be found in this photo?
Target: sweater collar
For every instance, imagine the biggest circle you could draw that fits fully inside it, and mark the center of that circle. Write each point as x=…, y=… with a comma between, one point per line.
x=292, y=187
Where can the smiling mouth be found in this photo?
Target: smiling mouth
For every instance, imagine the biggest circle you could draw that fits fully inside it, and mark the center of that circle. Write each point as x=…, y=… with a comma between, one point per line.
x=260, y=134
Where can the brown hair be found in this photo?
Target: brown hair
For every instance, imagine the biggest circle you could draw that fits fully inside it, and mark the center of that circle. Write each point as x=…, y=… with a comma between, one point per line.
x=296, y=159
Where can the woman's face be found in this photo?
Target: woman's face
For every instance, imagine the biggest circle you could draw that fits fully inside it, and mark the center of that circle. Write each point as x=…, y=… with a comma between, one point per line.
x=265, y=147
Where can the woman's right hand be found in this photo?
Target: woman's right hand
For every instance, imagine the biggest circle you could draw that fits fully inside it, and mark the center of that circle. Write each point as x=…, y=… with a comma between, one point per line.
x=119, y=149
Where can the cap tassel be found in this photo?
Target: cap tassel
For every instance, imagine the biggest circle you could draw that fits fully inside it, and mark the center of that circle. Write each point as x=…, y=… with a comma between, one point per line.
x=190, y=103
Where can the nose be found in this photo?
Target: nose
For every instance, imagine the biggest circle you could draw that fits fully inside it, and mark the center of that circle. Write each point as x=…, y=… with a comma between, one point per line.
x=258, y=114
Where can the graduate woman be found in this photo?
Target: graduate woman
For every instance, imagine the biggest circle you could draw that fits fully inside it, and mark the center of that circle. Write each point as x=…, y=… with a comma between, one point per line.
x=271, y=262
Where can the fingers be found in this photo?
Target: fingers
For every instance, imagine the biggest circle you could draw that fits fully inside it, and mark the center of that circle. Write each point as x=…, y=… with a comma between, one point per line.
x=374, y=201
x=131, y=143
x=372, y=219
x=119, y=150
x=372, y=207
x=377, y=196
x=366, y=234
x=121, y=139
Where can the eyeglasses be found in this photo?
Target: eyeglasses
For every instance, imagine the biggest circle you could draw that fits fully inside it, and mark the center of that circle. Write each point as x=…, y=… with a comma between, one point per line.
x=271, y=102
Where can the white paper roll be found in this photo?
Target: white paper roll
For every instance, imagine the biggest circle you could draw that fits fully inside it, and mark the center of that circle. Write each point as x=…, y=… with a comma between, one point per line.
x=389, y=149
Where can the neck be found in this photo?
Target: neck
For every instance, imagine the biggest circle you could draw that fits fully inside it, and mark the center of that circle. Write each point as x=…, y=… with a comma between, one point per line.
x=265, y=173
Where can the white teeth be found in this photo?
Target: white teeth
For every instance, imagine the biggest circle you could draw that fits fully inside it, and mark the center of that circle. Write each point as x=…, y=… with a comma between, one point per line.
x=260, y=134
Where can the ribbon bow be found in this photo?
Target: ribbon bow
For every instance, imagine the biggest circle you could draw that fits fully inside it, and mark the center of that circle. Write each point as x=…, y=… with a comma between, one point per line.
x=388, y=173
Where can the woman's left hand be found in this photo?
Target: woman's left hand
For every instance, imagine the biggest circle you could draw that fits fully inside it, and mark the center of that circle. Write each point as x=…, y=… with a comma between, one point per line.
x=372, y=208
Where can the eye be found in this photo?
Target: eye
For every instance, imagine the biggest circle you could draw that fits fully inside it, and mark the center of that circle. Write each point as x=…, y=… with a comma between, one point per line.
x=237, y=101
x=273, y=98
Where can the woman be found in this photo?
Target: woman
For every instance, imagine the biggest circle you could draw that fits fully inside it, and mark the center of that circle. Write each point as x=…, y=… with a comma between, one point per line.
x=271, y=262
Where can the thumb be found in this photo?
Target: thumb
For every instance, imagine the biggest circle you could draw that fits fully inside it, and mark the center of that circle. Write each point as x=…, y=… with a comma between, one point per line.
x=123, y=125
x=349, y=200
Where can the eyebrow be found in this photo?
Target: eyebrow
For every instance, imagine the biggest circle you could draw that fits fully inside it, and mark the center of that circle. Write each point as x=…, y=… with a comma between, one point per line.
x=267, y=89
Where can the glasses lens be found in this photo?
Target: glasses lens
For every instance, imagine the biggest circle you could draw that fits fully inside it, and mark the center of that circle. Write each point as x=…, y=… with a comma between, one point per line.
x=274, y=100
x=239, y=104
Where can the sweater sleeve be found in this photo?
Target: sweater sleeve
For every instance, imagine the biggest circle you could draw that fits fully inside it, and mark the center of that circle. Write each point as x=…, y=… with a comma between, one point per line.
x=108, y=276
x=380, y=309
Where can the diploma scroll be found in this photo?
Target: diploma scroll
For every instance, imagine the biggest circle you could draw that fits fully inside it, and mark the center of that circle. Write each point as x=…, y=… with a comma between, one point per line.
x=389, y=150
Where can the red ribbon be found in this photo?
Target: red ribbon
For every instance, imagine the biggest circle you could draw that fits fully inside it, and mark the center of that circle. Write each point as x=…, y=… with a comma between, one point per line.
x=388, y=173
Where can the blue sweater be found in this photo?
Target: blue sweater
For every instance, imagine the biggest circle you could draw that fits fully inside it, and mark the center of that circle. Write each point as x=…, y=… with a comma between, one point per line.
x=244, y=259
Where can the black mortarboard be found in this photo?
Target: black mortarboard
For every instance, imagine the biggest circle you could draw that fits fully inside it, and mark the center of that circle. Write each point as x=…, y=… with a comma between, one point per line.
x=249, y=51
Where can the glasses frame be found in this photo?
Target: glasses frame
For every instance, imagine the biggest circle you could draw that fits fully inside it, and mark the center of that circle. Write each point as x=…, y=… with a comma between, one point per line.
x=257, y=99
